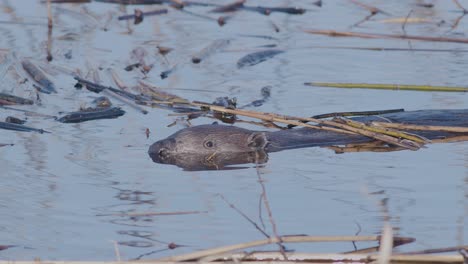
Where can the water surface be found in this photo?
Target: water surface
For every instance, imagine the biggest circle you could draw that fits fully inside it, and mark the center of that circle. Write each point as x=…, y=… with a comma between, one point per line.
x=64, y=195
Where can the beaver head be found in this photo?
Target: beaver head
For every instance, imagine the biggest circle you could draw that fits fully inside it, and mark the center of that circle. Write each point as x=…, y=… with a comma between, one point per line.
x=207, y=140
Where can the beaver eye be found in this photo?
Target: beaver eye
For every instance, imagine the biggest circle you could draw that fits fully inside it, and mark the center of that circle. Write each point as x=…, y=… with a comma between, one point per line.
x=209, y=144
x=162, y=153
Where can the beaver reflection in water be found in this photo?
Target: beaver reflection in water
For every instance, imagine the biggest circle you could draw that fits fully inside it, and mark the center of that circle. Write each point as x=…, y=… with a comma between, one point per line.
x=215, y=146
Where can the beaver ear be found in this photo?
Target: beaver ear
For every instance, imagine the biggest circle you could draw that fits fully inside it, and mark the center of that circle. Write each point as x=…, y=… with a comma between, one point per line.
x=257, y=140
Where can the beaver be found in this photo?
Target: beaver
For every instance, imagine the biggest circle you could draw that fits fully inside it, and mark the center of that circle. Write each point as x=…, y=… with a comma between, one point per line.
x=213, y=146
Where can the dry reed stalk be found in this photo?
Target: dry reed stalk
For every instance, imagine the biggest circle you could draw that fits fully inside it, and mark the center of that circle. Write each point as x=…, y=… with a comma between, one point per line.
x=422, y=127
x=244, y=215
x=374, y=10
x=156, y=213
x=117, y=96
x=460, y=6
x=116, y=250
x=384, y=86
x=287, y=120
x=49, y=14
x=117, y=80
x=266, y=203
x=386, y=245
x=334, y=33
x=49, y=31
x=267, y=259
x=274, y=257
x=270, y=117
x=161, y=97
x=393, y=133
x=284, y=239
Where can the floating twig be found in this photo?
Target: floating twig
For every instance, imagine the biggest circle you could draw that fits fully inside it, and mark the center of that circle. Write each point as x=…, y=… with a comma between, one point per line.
x=359, y=113
x=22, y=128
x=388, y=49
x=244, y=215
x=257, y=57
x=46, y=86
x=160, y=95
x=87, y=115
x=177, y=4
x=210, y=49
x=465, y=11
x=138, y=16
x=268, y=10
x=229, y=7
x=423, y=88
x=133, y=2
x=285, y=239
x=28, y=113
x=334, y=33
x=8, y=99
x=266, y=203
x=120, y=95
x=374, y=10
x=403, y=26
x=155, y=213
x=49, y=31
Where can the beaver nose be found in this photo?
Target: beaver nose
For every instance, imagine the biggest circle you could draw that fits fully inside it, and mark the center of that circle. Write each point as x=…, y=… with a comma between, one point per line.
x=160, y=150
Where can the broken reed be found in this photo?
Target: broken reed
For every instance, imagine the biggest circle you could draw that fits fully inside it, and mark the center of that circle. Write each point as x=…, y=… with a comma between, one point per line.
x=333, y=33
x=273, y=240
x=335, y=126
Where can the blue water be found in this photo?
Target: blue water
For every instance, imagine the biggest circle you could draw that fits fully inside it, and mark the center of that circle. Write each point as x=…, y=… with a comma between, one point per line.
x=67, y=195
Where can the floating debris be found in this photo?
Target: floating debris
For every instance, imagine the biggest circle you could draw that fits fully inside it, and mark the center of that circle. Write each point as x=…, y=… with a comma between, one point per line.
x=268, y=10
x=274, y=26
x=139, y=15
x=133, y=2
x=97, y=88
x=163, y=50
x=102, y=102
x=333, y=33
x=222, y=20
x=229, y=7
x=230, y=103
x=22, y=128
x=87, y=115
x=14, y=120
x=166, y=73
x=257, y=57
x=3, y=247
x=210, y=49
x=8, y=99
x=123, y=96
x=265, y=93
x=68, y=55
x=69, y=1
x=46, y=86
x=132, y=66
